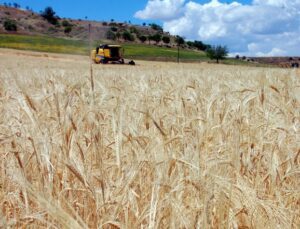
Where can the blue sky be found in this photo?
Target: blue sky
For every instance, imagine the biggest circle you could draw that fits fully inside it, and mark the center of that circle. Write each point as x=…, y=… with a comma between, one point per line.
x=120, y=10
x=247, y=27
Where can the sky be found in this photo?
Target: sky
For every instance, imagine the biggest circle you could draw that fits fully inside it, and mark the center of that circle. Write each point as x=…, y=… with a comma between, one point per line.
x=246, y=27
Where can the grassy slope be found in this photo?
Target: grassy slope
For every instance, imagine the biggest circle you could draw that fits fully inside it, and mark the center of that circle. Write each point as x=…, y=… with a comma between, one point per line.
x=43, y=44
x=60, y=45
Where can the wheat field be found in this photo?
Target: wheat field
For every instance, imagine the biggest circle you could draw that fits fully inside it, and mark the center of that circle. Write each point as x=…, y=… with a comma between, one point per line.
x=157, y=145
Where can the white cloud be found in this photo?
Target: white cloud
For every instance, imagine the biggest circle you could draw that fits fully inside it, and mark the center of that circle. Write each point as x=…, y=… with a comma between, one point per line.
x=164, y=10
x=264, y=27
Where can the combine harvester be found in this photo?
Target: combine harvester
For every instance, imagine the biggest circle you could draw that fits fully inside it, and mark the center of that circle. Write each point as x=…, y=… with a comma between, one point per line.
x=105, y=54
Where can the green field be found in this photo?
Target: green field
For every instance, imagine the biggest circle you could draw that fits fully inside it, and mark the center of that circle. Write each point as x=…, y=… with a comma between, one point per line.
x=131, y=51
x=43, y=44
x=60, y=45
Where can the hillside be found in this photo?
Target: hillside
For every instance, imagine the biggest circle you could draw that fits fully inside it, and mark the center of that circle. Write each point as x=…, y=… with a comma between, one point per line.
x=31, y=23
x=34, y=32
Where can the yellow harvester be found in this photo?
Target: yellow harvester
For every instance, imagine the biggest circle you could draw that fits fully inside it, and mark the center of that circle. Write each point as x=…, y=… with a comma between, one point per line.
x=108, y=54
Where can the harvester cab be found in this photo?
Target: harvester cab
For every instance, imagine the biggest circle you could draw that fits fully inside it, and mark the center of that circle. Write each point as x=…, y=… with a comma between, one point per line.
x=108, y=54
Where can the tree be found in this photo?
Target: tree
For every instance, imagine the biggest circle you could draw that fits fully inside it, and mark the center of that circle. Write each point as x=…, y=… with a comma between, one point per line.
x=142, y=38
x=49, y=15
x=16, y=5
x=66, y=23
x=133, y=29
x=111, y=35
x=68, y=29
x=156, y=37
x=190, y=44
x=127, y=36
x=200, y=45
x=118, y=35
x=114, y=29
x=217, y=52
x=166, y=39
x=179, y=40
x=156, y=27
x=10, y=25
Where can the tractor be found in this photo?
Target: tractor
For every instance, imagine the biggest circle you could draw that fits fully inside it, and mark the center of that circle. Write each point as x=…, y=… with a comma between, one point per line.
x=109, y=54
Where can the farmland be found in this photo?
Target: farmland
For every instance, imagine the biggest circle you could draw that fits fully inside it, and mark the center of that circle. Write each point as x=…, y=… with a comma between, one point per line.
x=81, y=47
x=157, y=145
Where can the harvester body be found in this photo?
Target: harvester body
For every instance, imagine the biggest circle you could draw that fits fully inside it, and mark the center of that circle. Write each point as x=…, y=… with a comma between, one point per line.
x=107, y=53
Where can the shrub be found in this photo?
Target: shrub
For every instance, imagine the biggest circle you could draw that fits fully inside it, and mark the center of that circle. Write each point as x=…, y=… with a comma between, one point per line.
x=142, y=38
x=52, y=30
x=190, y=44
x=156, y=37
x=111, y=35
x=68, y=29
x=156, y=27
x=166, y=39
x=10, y=25
x=179, y=40
x=118, y=35
x=114, y=29
x=66, y=23
x=127, y=36
x=133, y=30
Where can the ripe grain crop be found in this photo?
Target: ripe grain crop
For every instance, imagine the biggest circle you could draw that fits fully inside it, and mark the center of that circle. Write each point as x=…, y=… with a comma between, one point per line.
x=158, y=145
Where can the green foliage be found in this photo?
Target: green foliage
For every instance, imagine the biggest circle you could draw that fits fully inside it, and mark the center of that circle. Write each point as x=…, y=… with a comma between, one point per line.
x=68, y=29
x=16, y=5
x=127, y=36
x=114, y=29
x=142, y=38
x=66, y=23
x=104, y=23
x=118, y=35
x=156, y=37
x=10, y=25
x=113, y=24
x=49, y=15
x=166, y=39
x=156, y=27
x=31, y=28
x=52, y=29
x=110, y=35
x=179, y=40
x=217, y=52
x=198, y=45
x=133, y=30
